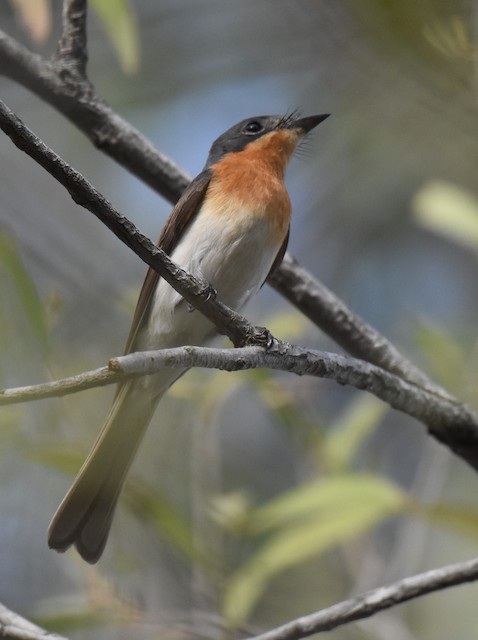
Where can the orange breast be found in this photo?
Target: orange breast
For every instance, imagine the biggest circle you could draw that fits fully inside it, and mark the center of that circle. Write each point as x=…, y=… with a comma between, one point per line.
x=251, y=182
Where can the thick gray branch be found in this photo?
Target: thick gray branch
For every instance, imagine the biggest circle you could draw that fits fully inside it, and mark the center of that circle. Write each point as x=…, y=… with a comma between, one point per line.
x=357, y=337
x=374, y=601
x=78, y=101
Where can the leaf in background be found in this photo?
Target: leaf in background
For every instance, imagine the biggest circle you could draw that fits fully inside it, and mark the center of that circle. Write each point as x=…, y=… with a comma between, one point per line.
x=445, y=357
x=152, y=506
x=287, y=325
x=347, y=433
x=448, y=210
x=63, y=459
x=121, y=28
x=461, y=519
x=11, y=262
x=324, y=514
x=322, y=496
x=35, y=16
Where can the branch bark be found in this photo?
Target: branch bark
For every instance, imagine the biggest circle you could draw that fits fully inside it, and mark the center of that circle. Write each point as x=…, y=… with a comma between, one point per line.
x=63, y=83
x=78, y=100
x=197, y=293
x=374, y=601
x=14, y=627
x=447, y=420
x=436, y=412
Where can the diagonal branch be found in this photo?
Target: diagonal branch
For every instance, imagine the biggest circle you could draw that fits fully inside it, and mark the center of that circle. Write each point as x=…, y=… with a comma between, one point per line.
x=357, y=337
x=374, y=601
x=78, y=101
x=81, y=104
x=197, y=293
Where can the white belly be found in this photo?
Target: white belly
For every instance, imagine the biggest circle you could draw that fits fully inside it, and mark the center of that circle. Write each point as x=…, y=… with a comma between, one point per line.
x=230, y=252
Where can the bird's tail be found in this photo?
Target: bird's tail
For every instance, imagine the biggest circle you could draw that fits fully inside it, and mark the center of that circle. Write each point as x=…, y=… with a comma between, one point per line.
x=84, y=517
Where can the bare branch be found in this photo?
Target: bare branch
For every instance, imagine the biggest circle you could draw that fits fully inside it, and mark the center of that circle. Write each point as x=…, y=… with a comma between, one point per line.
x=456, y=427
x=374, y=601
x=14, y=627
x=437, y=413
x=197, y=293
x=81, y=382
x=72, y=46
x=79, y=102
x=82, y=105
x=357, y=337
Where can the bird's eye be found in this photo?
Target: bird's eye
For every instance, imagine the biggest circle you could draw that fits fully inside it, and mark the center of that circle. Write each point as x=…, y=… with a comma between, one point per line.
x=253, y=127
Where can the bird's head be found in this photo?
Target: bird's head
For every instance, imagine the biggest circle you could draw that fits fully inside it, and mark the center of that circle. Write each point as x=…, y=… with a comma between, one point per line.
x=267, y=134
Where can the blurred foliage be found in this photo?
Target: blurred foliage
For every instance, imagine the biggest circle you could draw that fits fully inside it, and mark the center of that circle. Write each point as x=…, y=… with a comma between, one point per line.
x=449, y=210
x=12, y=266
x=116, y=16
x=351, y=465
x=35, y=16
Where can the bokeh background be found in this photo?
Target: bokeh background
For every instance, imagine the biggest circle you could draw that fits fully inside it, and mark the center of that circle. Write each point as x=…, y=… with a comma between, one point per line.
x=261, y=497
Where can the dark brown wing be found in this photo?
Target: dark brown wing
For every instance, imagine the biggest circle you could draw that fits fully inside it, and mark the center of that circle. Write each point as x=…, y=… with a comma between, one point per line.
x=184, y=211
x=280, y=254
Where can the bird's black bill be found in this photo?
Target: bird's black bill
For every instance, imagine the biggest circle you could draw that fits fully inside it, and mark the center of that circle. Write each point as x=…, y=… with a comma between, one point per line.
x=309, y=123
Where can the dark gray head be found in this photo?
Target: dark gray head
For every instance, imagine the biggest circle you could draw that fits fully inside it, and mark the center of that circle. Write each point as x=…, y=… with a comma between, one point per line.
x=240, y=135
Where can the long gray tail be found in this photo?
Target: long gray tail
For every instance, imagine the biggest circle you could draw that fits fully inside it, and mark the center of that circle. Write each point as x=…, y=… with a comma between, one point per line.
x=84, y=517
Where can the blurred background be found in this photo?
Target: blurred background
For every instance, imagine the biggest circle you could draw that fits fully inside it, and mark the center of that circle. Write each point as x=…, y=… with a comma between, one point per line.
x=256, y=497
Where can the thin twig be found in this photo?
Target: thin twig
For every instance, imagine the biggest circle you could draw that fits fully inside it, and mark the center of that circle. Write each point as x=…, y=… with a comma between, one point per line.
x=14, y=627
x=58, y=388
x=374, y=601
x=72, y=45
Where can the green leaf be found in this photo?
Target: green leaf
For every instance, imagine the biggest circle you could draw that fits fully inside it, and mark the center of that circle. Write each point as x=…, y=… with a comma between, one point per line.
x=310, y=520
x=445, y=357
x=11, y=262
x=61, y=458
x=121, y=29
x=323, y=496
x=346, y=434
x=448, y=210
x=287, y=326
x=461, y=519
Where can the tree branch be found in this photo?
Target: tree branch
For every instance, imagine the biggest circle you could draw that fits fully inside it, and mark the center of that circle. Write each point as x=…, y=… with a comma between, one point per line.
x=374, y=601
x=14, y=627
x=357, y=337
x=457, y=426
x=72, y=47
x=436, y=412
x=80, y=103
x=196, y=292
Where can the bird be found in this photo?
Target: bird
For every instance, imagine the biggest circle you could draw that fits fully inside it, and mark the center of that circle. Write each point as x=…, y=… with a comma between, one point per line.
x=230, y=228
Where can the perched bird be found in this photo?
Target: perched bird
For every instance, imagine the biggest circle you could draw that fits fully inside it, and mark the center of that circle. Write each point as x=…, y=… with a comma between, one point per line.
x=230, y=228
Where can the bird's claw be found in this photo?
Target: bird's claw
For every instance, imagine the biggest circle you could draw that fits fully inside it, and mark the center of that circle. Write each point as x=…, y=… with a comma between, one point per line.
x=208, y=292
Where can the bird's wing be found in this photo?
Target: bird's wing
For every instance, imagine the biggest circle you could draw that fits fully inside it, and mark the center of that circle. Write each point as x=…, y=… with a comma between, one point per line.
x=280, y=254
x=183, y=213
